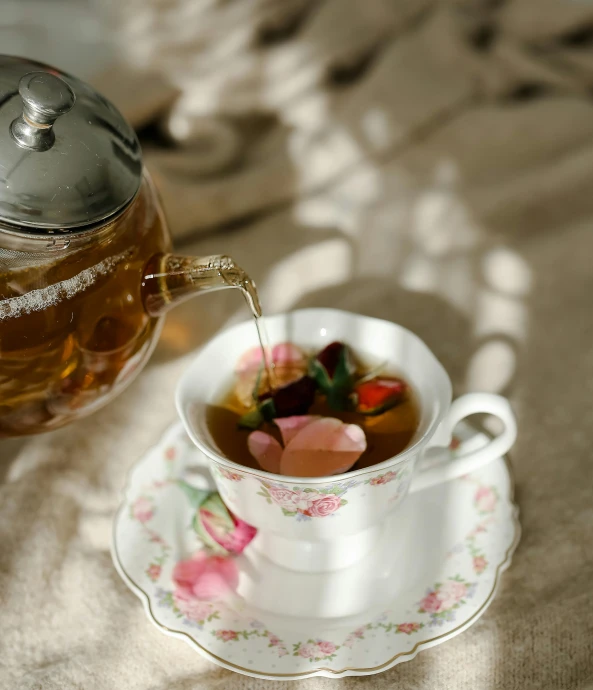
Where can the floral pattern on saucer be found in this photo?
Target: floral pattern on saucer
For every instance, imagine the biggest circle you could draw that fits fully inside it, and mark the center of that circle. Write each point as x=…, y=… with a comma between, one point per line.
x=152, y=533
x=444, y=598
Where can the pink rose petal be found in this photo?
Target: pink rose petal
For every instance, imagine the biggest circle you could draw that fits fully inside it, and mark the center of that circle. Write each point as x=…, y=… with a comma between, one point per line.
x=287, y=353
x=290, y=426
x=290, y=365
x=249, y=360
x=266, y=450
x=324, y=447
x=282, y=354
x=206, y=577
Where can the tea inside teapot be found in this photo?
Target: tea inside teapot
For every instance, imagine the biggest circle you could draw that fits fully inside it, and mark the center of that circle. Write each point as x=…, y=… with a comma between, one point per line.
x=86, y=272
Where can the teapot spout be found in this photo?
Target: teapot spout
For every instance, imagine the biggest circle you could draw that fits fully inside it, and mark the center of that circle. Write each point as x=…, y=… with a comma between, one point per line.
x=171, y=279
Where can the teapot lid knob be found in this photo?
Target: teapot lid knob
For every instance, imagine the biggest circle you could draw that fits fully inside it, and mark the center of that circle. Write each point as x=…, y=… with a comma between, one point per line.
x=69, y=161
x=45, y=97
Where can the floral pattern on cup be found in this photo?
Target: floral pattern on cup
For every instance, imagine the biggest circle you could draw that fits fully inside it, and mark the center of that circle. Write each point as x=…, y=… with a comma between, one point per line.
x=316, y=650
x=485, y=499
x=442, y=601
x=383, y=478
x=231, y=476
x=305, y=504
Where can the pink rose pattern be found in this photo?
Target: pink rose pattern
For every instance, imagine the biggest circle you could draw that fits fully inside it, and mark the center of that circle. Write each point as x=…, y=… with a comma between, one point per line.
x=226, y=635
x=452, y=592
x=357, y=634
x=408, y=628
x=193, y=609
x=306, y=503
x=442, y=601
x=313, y=503
x=383, y=479
x=316, y=650
x=142, y=509
x=431, y=603
x=231, y=476
x=485, y=499
x=380, y=624
x=256, y=631
x=154, y=571
x=324, y=505
x=479, y=564
x=326, y=647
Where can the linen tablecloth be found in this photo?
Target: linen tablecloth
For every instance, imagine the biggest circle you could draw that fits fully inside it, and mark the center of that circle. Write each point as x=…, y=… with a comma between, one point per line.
x=446, y=186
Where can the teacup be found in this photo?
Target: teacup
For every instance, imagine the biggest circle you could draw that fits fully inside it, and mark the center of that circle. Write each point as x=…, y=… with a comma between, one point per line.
x=326, y=523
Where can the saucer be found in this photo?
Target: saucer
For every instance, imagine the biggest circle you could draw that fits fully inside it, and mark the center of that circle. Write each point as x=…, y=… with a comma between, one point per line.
x=424, y=582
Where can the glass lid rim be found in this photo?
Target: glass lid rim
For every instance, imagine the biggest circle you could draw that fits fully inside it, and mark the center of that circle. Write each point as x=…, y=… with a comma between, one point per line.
x=52, y=230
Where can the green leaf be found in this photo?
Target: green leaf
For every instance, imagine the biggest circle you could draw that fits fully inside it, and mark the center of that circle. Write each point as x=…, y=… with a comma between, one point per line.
x=344, y=373
x=339, y=398
x=338, y=388
x=267, y=409
x=196, y=496
x=251, y=420
x=319, y=374
x=255, y=392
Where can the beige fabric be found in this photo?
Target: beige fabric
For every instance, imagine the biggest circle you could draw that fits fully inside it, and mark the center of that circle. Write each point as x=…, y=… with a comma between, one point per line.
x=467, y=220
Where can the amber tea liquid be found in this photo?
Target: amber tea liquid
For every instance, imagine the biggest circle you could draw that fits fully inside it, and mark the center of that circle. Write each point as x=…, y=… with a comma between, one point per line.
x=73, y=333
x=387, y=434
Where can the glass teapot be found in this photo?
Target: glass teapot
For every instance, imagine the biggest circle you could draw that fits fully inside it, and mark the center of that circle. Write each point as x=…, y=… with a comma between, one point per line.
x=86, y=272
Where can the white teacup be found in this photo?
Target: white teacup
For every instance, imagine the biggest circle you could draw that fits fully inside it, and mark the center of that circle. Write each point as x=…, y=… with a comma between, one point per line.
x=326, y=523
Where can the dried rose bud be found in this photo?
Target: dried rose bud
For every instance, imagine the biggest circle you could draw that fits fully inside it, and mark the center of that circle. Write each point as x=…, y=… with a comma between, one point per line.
x=330, y=356
x=220, y=529
x=379, y=395
x=294, y=399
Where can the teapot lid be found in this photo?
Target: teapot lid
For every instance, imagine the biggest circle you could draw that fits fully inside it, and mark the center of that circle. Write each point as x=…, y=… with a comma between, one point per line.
x=68, y=158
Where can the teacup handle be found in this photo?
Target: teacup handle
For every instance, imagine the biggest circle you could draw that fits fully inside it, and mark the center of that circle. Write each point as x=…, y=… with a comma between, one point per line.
x=449, y=467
